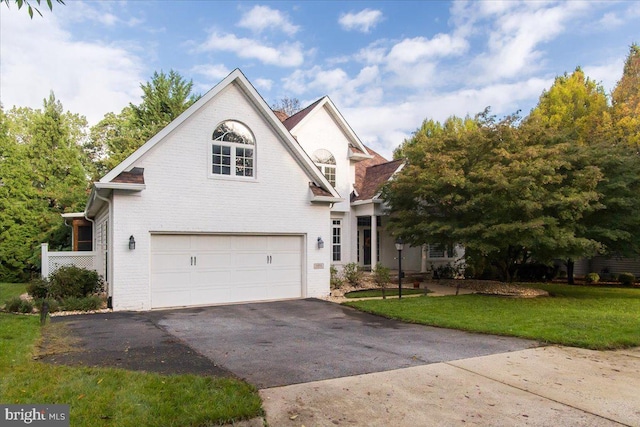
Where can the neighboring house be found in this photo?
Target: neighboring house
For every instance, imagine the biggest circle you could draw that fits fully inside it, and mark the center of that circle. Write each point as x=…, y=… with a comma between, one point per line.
x=233, y=202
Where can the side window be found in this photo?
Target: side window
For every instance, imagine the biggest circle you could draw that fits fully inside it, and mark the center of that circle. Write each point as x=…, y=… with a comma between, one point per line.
x=325, y=161
x=233, y=150
x=336, y=240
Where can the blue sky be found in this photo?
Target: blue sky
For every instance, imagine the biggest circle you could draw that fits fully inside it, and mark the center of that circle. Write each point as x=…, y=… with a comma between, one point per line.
x=386, y=65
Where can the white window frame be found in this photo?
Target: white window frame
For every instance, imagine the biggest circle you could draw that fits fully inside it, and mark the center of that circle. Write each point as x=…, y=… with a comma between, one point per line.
x=439, y=248
x=328, y=166
x=336, y=239
x=232, y=154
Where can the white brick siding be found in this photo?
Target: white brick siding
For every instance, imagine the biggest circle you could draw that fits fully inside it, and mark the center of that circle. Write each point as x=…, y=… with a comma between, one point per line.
x=181, y=196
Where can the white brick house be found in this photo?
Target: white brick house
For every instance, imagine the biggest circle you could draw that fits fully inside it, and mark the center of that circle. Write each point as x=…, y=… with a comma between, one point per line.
x=232, y=202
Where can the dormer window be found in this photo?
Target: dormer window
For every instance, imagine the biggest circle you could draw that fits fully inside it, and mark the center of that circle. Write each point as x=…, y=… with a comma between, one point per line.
x=233, y=150
x=325, y=161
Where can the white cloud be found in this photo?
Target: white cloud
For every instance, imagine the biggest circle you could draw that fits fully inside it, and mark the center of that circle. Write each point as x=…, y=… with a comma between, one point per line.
x=100, y=12
x=362, y=21
x=261, y=18
x=89, y=78
x=516, y=34
x=215, y=73
x=285, y=55
x=610, y=20
x=265, y=84
x=607, y=74
x=415, y=49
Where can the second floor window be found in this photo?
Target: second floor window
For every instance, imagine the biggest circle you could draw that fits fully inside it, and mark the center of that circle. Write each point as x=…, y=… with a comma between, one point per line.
x=233, y=150
x=325, y=161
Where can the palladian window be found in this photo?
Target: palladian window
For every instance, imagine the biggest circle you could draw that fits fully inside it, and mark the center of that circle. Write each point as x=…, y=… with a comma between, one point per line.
x=325, y=161
x=233, y=150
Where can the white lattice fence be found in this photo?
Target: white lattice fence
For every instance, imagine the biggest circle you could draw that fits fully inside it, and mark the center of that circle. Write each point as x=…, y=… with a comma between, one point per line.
x=51, y=261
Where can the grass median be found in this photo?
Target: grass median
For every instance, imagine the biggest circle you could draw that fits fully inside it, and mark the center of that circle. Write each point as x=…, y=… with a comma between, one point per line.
x=115, y=397
x=588, y=317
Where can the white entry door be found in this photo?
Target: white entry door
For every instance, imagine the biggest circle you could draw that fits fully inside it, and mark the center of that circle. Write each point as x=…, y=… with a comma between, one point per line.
x=214, y=269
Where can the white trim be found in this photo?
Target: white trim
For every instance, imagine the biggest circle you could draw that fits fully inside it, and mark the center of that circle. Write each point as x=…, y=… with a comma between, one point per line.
x=73, y=215
x=118, y=186
x=254, y=97
x=326, y=199
x=333, y=111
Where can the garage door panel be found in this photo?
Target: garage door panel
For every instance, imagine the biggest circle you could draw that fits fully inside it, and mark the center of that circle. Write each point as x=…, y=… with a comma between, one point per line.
x=250, y=259
x=252, y=243
x=205, y=243
x=284, y=243
x=171, y=243
x=213, y=260
x=170, y=261
x=227, y=269
x=210, y=278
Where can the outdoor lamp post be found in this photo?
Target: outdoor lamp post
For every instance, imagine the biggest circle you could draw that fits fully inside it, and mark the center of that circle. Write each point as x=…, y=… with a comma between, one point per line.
x=399, y=247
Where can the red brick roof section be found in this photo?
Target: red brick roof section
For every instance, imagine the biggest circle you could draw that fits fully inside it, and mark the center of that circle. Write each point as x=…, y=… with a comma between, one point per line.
x=292, y=121
x=375, y=177
x=317, y=191
x=134, y=176
x=281, y=115
x=361, y=167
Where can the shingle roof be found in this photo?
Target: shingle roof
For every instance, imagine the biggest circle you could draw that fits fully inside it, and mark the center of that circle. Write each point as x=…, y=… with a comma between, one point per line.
x=281, y=115
x=369, y=180
x=292, y=121
x=317, y=191
x=134, y=176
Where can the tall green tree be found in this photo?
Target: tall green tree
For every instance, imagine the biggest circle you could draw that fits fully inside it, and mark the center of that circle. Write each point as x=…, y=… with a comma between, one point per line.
x=625, y=99
x=42, y=175
x=114, y=138
x=575, y=107
x=483, y=184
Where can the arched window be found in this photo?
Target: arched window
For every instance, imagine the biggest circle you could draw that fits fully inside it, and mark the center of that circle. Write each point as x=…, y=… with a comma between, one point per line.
x=325, y=161
x=233, y=150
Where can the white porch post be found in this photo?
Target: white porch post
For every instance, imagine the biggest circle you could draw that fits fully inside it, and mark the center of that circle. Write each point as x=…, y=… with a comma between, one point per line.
x=374, y=242
x=44, y=269
x=423, y=263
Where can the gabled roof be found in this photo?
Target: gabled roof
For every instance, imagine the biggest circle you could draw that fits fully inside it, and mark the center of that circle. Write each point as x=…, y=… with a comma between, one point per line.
x=238, y=78
x=359, y=151
x=370, y=178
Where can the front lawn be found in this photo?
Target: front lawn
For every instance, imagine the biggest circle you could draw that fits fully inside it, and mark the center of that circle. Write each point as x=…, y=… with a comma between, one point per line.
x=10, y=290
x=589, y=317
x=367, y=293
x=115, y=397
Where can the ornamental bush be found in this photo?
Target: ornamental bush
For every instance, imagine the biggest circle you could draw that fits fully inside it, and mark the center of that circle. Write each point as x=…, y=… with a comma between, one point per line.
x=627, y=279
x=72, y=281
x=352, y=273
x=592, y=278
x=18, y=305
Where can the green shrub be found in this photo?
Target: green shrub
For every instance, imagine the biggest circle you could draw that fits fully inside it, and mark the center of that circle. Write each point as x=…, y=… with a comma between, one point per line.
x=18, y=305
x=89, y=303
x=381, y=275
x=38, y=288
x=627, y=279
x=71, y=281
x=592, y=278
x=352, y=273
x=335, y=280
x=54, y=305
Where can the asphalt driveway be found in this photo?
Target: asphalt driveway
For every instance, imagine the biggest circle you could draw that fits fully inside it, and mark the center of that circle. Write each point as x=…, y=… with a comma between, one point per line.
x=290, y=342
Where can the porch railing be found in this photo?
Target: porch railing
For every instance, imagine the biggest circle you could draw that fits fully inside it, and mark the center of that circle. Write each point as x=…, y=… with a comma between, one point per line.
x=51, y=261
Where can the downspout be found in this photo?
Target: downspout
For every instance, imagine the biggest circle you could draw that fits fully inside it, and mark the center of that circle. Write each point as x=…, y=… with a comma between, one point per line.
x=109, y=250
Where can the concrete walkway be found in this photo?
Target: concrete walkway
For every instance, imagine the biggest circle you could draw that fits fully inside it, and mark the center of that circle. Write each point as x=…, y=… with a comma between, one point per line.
x=543, y=386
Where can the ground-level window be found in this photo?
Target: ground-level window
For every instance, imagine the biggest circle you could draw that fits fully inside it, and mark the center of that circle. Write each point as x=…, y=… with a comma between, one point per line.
x=440, y=251
x=336, y=240
x=233, y=150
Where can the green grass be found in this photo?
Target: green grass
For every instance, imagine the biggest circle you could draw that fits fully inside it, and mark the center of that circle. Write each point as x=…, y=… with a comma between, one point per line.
x=595, y=318
x=10, y=290
x=378, y=293
x=116, y=397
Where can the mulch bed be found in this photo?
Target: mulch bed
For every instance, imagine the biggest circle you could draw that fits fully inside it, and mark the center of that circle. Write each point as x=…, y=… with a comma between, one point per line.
x=489, y=287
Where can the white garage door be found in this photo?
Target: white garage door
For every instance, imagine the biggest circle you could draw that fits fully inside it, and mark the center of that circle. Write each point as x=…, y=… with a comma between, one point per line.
x=214, y=269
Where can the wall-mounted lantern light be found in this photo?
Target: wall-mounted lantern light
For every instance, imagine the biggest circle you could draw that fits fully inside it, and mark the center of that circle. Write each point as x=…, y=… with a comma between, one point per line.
x=320, y=243
x=132, y=243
